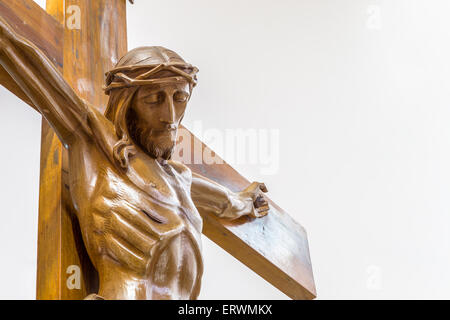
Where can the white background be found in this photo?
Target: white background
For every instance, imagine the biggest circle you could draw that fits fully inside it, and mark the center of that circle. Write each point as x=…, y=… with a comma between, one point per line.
x=359, y=91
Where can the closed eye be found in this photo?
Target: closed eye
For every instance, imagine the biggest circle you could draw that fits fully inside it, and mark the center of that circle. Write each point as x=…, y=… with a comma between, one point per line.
x=180, y=96
x=154, y=98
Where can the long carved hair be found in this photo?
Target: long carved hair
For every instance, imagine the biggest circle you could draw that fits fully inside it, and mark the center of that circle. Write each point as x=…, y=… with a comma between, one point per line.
x=117, y=112
x=139, y=67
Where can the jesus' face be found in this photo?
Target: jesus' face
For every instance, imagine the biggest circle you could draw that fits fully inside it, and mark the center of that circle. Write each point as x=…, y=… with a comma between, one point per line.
x=155, y=114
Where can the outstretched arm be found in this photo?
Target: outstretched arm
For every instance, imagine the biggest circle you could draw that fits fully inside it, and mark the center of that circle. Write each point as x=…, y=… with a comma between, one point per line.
x=224, y=203
x=43, y=84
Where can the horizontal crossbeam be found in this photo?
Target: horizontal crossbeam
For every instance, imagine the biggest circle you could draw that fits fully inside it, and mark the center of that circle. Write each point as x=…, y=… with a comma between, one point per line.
x=29, y=20
x=275, y=246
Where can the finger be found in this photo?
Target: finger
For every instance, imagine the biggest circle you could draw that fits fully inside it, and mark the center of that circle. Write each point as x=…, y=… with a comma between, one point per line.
x=260, y=201
x=263, y=209
x=259, y=214
x=263, y=188
x=263, y=214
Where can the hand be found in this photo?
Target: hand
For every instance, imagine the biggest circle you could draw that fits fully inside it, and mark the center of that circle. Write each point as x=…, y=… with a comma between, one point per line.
x=255, y=193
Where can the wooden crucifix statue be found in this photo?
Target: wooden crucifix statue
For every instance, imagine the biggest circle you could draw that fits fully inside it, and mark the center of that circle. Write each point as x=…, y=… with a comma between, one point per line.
x=139, y=212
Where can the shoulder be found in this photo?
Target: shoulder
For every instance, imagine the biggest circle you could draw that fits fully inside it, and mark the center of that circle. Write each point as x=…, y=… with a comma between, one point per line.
x=102, y=129
x=181, y=169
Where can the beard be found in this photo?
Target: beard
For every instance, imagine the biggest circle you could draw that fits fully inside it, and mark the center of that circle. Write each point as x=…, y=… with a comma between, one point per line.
x=157, y=144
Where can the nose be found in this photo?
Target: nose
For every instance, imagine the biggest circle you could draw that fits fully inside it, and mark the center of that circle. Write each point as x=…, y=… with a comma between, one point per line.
x=168, y=113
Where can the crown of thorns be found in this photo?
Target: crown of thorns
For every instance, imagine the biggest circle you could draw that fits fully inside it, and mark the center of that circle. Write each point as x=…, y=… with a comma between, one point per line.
x=121, y=77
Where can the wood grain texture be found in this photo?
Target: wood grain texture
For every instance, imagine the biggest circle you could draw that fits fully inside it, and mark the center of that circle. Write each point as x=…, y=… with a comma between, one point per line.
x=274, y=246
x=89, y=52
x=95, y=49
x=10, y=84
x=49, y=276
x=31, y=21
x=56, y=230
x=48, y=280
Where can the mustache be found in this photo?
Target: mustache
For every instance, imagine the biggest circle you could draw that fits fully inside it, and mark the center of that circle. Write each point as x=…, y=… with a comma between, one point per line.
x=152, y=131
x=147, y=138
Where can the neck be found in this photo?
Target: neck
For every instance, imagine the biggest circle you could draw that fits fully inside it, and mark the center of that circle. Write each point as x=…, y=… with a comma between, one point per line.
x=161, y=161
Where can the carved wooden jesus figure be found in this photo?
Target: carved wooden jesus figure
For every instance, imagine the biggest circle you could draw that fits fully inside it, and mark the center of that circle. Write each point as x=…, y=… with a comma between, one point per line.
x=136, y=207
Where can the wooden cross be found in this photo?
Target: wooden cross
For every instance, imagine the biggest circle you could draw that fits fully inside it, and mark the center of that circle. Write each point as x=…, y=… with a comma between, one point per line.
x=275, y=247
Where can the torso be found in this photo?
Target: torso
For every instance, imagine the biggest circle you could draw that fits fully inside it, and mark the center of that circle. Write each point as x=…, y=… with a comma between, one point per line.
x=141, y=228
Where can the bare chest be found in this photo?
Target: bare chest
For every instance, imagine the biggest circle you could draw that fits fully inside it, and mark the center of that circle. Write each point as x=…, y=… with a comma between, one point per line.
x=155, y=192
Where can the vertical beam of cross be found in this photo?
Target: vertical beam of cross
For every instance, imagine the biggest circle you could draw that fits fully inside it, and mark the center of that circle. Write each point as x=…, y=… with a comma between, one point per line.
x=52, y=211
x=92, y=45
x=275, y=246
